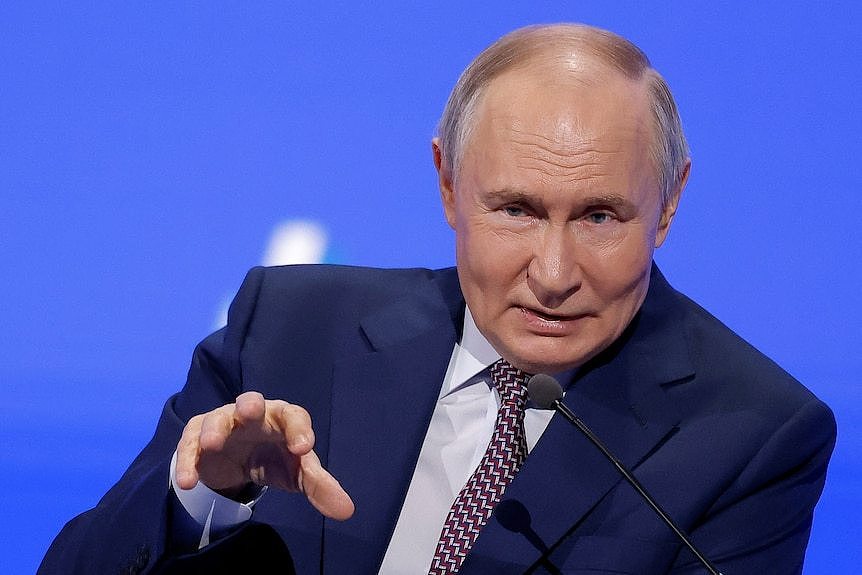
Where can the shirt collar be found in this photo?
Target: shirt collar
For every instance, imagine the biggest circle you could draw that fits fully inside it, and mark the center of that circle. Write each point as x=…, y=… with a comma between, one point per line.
x=472, y=355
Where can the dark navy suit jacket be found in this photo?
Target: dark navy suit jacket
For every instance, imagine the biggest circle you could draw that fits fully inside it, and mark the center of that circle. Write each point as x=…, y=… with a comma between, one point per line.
x=731, y=446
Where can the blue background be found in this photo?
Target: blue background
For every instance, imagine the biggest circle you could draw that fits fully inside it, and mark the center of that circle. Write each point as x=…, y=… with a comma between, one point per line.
x=148, y=152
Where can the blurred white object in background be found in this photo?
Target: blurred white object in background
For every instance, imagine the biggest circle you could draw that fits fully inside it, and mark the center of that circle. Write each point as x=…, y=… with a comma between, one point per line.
x=296, y=242
x=291, y=242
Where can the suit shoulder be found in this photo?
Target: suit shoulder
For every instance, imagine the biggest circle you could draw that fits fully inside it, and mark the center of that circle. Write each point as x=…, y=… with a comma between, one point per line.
x=335, y=283
x=333, y=295
x=735, y=366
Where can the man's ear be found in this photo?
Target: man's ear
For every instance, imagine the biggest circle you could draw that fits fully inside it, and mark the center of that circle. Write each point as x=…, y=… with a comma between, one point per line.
x=669, y=211
x=444, y=179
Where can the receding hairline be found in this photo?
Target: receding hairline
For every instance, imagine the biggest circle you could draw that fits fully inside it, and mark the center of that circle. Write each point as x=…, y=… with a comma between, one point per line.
x=570, y=45
x=573, y=46
x=561, y=41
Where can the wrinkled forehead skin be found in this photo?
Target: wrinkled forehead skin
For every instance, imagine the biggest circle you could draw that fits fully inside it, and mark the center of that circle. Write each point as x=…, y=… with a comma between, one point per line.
x=567, y=107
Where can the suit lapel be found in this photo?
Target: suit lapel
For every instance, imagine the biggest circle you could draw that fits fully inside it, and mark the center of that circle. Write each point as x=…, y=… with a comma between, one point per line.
x=619, y=396
x=382, y=403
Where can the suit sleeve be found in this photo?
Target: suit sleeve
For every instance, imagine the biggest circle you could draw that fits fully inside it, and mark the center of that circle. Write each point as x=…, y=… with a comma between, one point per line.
x=762, y=522
x=127, y=531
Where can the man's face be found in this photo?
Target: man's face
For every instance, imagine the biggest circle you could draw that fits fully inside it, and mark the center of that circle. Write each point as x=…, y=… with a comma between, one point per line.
x=556, y=214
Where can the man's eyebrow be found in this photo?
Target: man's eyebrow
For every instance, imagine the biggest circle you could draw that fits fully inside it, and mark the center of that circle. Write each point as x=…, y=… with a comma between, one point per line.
x=515, y=195
x=612, y=200
x=510, y=194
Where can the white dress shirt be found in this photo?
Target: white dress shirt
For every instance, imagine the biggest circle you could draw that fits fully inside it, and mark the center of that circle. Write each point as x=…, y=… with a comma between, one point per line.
x=457, y=437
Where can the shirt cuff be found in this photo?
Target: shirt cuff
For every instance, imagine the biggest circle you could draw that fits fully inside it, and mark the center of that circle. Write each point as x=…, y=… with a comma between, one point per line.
x=214, y=514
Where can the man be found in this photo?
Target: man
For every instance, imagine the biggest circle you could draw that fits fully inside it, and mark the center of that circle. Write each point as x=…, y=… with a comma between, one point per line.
x=561, y=162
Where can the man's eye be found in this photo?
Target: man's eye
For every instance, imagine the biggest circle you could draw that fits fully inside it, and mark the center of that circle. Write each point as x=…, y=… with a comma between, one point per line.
x=514, y=211
x=599, y=217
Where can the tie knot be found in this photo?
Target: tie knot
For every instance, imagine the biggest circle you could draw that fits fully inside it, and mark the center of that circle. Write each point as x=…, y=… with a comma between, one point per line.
x=511, y=382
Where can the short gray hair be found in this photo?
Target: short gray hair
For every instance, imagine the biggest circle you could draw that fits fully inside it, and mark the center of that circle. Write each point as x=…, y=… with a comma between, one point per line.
x=670, y=153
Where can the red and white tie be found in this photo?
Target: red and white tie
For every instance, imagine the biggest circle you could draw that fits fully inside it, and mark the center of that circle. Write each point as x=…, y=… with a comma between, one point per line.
x=506, y=452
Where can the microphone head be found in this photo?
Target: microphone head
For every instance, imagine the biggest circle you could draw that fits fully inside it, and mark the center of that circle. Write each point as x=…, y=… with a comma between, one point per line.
x=544, y=390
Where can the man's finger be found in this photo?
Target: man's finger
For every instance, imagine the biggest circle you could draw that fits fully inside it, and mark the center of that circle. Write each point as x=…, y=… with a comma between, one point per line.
x=187, y=454
x=323, y=490
x=216, y=427
x=295, y=424
x=250, y=408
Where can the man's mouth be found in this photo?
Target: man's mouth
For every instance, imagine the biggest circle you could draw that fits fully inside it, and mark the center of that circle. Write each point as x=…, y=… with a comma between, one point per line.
x=546, y=316
x=549, y=317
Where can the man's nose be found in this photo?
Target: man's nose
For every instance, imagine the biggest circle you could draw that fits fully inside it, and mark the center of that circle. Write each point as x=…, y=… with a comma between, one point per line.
x=554, y=274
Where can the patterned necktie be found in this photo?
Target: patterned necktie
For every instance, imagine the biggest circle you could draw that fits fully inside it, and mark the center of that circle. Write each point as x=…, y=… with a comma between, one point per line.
x=505, y=453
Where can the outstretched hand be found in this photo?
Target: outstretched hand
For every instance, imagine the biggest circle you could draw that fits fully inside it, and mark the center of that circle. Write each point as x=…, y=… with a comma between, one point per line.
x=260, y=441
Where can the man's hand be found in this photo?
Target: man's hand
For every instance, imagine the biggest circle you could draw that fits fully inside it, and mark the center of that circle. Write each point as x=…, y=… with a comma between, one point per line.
x=260, y=441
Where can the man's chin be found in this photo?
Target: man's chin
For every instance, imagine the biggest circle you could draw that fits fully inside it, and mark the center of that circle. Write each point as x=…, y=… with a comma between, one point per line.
x=535, y=359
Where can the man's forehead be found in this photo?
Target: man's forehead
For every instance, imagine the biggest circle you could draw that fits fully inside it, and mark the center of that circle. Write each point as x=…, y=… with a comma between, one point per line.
x=565, y=109
x=579, y=76
x=535, y=125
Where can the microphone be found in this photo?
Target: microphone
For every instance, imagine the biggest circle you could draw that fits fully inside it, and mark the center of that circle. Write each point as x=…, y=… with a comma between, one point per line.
x=546, y=393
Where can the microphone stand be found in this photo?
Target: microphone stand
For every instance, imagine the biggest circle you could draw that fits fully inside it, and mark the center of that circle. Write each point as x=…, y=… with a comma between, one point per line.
x=576, y=421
